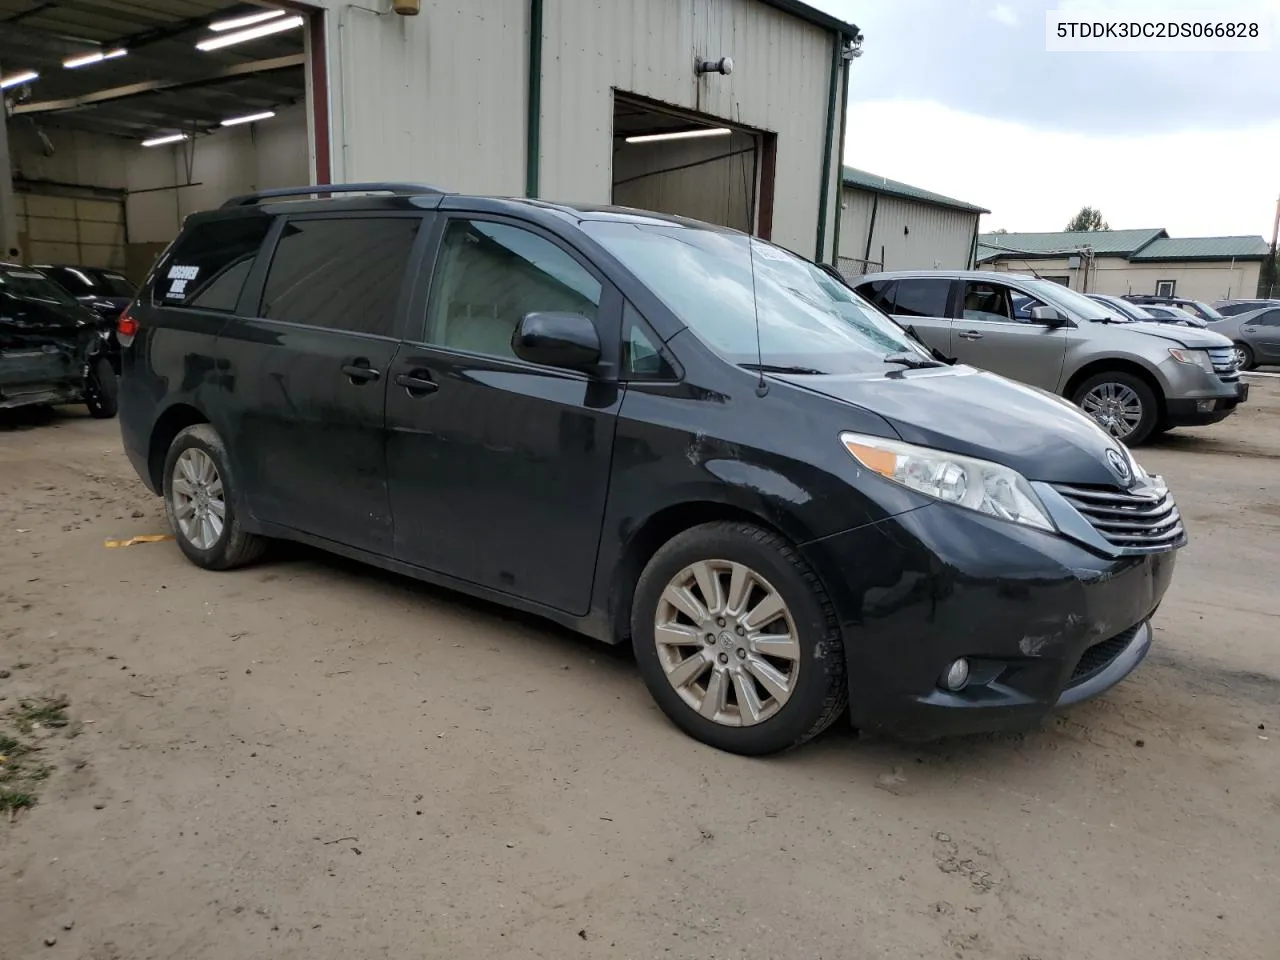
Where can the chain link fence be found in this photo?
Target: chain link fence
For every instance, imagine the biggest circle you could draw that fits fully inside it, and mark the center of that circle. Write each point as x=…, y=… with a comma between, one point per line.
x=851, y=268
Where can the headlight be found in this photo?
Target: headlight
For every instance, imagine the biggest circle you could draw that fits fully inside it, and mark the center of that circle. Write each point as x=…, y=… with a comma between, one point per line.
x=974, y=484
x=1199, y=358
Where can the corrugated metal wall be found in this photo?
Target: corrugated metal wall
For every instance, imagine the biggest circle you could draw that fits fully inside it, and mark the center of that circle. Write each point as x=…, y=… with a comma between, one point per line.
x=442, y=96
x=913, y=235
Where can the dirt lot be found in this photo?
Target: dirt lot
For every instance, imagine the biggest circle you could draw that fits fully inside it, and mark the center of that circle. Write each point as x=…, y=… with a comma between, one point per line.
x=309, y=759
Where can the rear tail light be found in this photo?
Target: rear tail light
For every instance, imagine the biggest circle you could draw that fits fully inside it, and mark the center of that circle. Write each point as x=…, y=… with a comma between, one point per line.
x=126, y=328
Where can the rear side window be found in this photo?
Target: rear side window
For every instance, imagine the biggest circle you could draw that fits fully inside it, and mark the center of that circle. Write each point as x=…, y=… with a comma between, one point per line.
x=879, y=293
x=340, y=274
x=1269, y=319
x=922, y=297
x=209, y=264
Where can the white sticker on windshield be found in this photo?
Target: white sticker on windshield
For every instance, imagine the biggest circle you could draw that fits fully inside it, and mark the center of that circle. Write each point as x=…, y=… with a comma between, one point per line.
x=766, y=252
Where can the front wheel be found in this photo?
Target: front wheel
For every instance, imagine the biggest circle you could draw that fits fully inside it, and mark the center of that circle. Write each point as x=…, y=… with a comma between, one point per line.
x=1121, y=403
x=737, y=640
x=102, y=389
x=200, y=502
x=1243, y=356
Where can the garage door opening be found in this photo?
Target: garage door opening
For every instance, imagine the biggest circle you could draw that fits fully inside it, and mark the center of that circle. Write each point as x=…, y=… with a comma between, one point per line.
x=691, y=165
x=135, y=116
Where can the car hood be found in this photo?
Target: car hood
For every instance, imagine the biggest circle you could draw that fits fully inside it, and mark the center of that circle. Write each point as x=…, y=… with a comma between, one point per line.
x=1190, y=337
x=979, y=414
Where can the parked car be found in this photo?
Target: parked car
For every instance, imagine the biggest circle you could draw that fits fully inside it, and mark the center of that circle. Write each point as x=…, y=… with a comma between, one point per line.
x=1232, y=308
x=1133, y=378
x=1151, y=312
x=654, y=431
x=1197, y=308
x=106, y=291
x=1255, y=337
x=1176, y=315
x=52, y=349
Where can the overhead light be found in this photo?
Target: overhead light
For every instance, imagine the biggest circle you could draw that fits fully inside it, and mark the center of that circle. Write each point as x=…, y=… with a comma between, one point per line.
x=253, y=33
x=681, y=135
x=249, y=118
x=167, y=138
x=16, y=78
x=235, y=23
x=96, y=57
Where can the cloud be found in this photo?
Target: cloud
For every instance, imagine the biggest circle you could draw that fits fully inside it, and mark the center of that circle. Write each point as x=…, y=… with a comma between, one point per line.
x=1036, y=180
x=1003, y=13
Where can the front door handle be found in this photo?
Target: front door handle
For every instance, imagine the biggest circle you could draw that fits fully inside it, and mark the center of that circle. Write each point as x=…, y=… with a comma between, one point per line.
x=417, y=383
x=360, y=372
x=970, y=335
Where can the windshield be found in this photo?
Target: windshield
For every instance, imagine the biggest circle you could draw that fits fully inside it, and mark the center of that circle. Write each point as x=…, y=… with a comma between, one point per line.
x=113, y=284
x=807, y=319
x=1204, y=311
x=1076, y=304
x=32, y=285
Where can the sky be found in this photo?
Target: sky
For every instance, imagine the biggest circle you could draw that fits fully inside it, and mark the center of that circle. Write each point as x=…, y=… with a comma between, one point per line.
x=961, y=97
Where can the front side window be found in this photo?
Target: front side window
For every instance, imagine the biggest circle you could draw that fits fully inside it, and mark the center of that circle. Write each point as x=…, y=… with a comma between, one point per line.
x=754, y=305
x=489, y=275
x=340, y=274
x=990, y=302
x=207, y=267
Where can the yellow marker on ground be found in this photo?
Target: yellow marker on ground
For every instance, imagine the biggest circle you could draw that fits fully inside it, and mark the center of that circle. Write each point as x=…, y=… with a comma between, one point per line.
x=144, y=538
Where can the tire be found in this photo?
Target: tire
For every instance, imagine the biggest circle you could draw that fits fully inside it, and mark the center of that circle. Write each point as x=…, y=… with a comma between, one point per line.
x=1244, y=356
x=1127, y=389
x=102, y=389
x=812, y=664
x=212, y=545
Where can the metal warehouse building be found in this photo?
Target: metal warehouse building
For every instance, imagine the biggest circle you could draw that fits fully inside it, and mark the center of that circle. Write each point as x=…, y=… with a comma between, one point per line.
x=124, y=116
x=889, y=225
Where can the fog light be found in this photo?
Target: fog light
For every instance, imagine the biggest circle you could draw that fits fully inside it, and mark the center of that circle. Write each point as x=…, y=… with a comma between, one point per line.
x=1204, y=406
x=957, y=674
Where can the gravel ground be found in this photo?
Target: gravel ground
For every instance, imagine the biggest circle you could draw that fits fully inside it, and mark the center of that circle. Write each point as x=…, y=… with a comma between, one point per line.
x=311, y=759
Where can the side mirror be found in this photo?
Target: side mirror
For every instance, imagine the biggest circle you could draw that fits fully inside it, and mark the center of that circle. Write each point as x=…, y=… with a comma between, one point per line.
x=1049, y=316
x=566, y=340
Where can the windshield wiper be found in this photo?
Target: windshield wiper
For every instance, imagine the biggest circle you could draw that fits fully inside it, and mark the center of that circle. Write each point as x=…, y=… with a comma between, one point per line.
x=933, y=351
x=912, y=361
x=780, y=368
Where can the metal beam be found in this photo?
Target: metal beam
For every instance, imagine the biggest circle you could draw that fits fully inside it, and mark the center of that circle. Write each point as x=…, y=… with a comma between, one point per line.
x=153, y=86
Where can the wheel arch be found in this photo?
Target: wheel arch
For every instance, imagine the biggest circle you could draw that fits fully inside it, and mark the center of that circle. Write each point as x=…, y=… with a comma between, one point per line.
x=168, y=425
x=1115, y=365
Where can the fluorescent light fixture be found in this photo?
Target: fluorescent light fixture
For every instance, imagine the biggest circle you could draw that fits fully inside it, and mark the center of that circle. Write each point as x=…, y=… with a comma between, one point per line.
x=96, y=57
x=248, y=20
x=16, y=78
x=253, y=33
x=681, y=135
x=249, y=118
x=167, y=138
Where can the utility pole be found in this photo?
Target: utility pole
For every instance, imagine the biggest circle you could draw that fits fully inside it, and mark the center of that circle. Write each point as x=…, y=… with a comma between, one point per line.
x=1273, y=266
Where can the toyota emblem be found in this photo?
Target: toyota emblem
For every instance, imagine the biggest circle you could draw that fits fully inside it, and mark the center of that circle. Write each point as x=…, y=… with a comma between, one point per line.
x=1120, y=465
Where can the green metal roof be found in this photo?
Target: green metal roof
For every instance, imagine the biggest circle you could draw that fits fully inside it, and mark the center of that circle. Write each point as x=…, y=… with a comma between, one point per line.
x=1205, y=248
x=815, y=16
x=873, y=182
x=1105, y=243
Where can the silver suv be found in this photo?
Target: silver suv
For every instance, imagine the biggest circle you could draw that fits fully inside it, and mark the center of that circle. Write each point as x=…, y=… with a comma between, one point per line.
x=1136, y=379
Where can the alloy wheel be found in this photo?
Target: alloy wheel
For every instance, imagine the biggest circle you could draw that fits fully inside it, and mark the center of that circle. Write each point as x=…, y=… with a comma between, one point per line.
x=1116, y=408
x=199, y=504
x=1241, y=356
x=727, y=642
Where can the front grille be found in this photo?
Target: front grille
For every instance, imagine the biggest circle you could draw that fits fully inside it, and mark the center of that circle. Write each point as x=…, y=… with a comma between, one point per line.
x=1224, y=363
x=1145, y=519
x=1098, y=657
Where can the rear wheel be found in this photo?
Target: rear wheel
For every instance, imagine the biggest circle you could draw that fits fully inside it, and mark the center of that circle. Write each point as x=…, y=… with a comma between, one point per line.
x=1121, y=403
x=737, y=640
x=102, y=389
x=1244, y=356
x=201, y=504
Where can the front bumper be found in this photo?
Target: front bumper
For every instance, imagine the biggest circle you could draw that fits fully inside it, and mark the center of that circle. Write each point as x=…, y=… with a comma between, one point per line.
x=1196, y=397
x=1043, y=621
x=1199, y=412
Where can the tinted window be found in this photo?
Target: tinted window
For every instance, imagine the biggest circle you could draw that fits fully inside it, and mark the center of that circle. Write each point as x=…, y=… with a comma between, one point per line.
x=112, y=284
x=75, y=282
x=1269, y=319
x=879, y=293
x=340, y=274
x=208, y=265
x=642, y=350
x=489, y=275
x=922, y=297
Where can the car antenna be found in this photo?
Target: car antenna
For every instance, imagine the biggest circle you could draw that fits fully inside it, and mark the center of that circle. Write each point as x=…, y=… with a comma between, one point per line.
x=762, y=386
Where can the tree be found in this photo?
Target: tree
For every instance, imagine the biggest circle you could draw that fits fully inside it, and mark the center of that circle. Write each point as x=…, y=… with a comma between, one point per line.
x=1002, y=230
x=1088, y=219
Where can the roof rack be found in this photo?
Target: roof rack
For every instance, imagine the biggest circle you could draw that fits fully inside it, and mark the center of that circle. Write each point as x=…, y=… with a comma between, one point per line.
x=402, y=189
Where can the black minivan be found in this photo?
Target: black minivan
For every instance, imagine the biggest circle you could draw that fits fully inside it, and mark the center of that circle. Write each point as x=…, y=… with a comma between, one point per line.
x=654, y=431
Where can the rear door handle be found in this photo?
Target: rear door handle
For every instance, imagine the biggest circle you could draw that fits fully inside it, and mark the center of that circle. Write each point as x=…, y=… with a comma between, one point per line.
x=417, y=383
x=360, y=371
x=970, y=335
